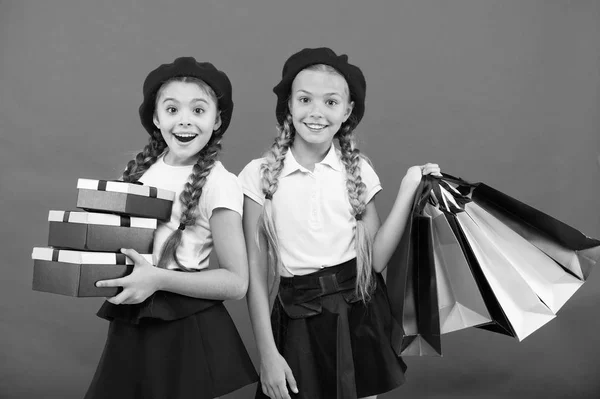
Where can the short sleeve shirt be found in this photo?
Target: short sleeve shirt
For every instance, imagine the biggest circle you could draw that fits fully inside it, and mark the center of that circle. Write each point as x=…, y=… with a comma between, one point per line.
x=221, y=190
x=313, y=216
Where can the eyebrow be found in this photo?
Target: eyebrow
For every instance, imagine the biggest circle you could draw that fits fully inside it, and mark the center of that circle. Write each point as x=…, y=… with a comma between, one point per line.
x=193, y=100
x=333, y=93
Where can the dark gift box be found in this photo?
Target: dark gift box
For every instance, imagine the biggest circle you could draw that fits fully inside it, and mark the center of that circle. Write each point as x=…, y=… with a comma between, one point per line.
x=100, y=231
x=124, y=198
x=75, y=273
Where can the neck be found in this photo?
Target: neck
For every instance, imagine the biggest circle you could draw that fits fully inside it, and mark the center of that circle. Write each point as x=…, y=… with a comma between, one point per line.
x=307, y=154
x=172, y=160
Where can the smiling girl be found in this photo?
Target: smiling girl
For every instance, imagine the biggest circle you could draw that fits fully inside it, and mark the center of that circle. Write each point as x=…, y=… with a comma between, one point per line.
x=170, y=335
x=311, y=225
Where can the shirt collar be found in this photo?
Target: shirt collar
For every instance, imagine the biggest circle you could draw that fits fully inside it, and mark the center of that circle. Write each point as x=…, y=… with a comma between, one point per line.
x=332, y=159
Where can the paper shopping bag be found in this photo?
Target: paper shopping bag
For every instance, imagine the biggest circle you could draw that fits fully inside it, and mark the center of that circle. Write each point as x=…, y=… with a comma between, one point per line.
x=411, y=283
x=460, y=302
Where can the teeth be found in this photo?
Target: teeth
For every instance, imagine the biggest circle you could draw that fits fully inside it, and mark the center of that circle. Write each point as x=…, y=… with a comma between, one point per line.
x=315, y=126
x=185, y=134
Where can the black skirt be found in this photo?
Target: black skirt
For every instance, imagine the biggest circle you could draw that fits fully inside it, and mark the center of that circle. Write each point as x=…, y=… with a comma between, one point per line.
x=336, y=346
x=170, y=346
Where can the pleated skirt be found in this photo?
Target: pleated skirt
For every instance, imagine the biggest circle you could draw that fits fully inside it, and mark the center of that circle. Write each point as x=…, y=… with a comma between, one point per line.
x=336, y=346
x=170, y=346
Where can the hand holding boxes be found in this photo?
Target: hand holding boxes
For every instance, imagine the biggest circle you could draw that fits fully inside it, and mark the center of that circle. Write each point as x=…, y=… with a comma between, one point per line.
x=85, y=245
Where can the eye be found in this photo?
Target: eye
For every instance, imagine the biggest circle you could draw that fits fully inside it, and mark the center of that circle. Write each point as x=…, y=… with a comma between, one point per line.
x=198, y=110
x=304, y=100
x=332, y=103
x=171, y=110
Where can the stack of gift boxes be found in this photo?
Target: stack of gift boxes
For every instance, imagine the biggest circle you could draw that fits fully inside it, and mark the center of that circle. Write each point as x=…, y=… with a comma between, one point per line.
x=84, y=246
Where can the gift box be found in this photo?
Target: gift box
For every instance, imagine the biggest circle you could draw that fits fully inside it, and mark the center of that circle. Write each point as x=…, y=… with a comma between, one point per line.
x=75, y=273
x=88, y=231
x=124, y=198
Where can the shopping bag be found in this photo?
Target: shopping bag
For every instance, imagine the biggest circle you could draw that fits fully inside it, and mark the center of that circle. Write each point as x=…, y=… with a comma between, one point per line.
x=460, y=302
x=567, y=246
x=522, y=307
x=507, y=240
x=550, y=282
x=499, y=322
x=411, y=283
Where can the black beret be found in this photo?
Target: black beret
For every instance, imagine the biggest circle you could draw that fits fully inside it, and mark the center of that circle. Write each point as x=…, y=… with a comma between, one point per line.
x=323, y=55
x=186, y=66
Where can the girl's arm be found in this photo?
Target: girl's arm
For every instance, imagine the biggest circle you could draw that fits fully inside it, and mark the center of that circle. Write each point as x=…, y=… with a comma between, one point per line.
x=230, y=281
x=274, y=370
x=388, y=234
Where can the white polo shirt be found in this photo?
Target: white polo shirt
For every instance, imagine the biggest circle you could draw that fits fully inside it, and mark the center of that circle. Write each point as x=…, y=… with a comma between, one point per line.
x=313, y=216
x=221, y=190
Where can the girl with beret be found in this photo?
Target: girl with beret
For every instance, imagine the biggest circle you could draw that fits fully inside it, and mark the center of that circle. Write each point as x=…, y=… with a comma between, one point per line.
x=316, y=246
x=170, y=335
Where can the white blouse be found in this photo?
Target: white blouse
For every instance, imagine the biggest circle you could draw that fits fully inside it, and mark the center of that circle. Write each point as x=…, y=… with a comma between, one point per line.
x=221, y=190
x=313, y=216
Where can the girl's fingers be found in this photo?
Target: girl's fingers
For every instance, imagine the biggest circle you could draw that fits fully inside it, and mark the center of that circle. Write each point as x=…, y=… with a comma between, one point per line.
x=283, y=392
x=289, y=376
x=431, y=169
x=272, y=393
x=265, y=390
x=117, y=282
x=133, y=255
x=429, y=164
x=119, y=299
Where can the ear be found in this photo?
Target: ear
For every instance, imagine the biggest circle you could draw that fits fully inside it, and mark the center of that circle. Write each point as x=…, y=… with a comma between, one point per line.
x=349, y=111
x=218, y=122
x=155, y=120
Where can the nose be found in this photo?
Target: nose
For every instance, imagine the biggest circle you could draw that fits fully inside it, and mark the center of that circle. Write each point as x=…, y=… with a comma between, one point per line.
x=184, y=118
x=315, y=110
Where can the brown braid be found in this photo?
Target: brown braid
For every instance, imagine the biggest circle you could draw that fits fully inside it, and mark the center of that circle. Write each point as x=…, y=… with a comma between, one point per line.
x=351, y=159
x=144, y=159
x=270, y=172
x=190, y=197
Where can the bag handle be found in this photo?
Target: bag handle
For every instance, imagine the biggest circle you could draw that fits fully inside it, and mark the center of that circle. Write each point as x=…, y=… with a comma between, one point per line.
x=422, y=195
x=457, y=180
x=450, y=199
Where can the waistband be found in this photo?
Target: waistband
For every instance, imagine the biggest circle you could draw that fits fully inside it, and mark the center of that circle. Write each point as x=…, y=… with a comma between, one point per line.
x=328, y=280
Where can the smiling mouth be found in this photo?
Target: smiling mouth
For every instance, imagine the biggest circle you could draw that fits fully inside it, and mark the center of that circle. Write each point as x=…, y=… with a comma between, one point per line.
x=185, y=137
x=315, y=127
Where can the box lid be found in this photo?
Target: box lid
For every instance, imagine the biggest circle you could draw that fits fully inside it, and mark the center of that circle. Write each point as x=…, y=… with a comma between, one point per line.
x=83, y=257
x=106, y=219
x=127, y=188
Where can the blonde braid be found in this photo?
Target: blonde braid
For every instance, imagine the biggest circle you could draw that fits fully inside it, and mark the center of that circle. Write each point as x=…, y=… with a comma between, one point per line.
x=270, y=172
x=145, y=158
x=190, y=197
x=351, y=158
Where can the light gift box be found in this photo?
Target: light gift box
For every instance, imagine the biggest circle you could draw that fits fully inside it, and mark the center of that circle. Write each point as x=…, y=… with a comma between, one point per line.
x=124, y=198
x=75, y=273
x=100, y=231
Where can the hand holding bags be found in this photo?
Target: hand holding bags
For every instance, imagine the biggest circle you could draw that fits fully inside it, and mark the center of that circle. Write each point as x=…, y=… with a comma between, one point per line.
x=475, y=257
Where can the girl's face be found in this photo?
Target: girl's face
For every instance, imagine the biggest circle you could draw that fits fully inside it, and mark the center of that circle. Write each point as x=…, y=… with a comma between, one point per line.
x=319, y=104
x=186, y=116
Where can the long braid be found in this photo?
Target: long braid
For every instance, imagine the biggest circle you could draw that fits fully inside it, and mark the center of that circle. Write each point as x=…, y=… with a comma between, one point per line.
x=190, y=197
x=270, y=172
x=356, y=188
x=145, y=158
